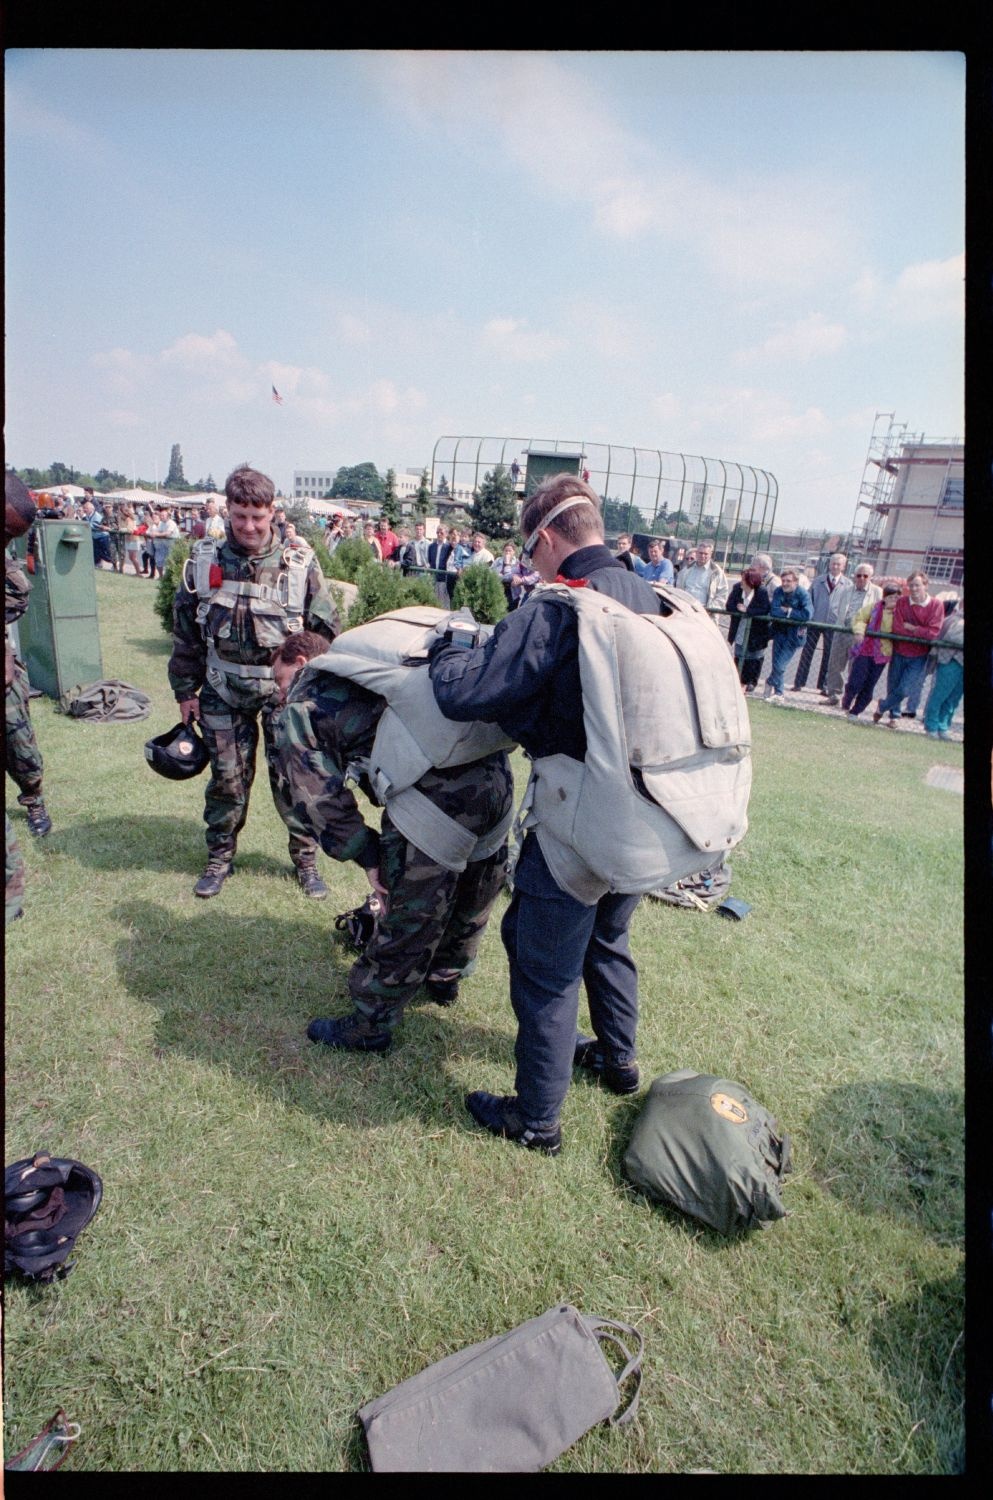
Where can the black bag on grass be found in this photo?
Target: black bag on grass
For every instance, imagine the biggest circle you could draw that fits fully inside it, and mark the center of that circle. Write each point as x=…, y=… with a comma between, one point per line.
x=704, y=1145
x=48, y=1200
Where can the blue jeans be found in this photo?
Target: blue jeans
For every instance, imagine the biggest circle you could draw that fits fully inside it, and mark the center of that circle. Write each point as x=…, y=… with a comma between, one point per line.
x=552, y=943
x=906, y=676
x=945, y=696
x=782, y=654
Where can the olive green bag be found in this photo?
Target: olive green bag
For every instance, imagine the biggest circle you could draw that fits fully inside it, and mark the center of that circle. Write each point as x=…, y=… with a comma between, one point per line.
x=511, y=1404
x=704, y=1145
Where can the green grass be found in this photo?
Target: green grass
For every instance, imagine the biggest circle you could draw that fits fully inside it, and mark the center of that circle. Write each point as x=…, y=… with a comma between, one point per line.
x=286, y=1233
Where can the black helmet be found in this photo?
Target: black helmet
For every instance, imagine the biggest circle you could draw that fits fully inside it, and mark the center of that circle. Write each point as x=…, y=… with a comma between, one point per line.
x=47, y=1201
x=178, y=754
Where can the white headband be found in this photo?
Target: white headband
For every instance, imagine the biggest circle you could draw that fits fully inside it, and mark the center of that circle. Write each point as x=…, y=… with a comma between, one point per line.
x=556, y=510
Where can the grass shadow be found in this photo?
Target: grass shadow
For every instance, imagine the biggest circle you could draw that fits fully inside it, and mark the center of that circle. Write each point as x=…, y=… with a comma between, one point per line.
x=919, y=1344
x=277, y=975
x=153, y=645
x=163, y=845
x=893, y=1148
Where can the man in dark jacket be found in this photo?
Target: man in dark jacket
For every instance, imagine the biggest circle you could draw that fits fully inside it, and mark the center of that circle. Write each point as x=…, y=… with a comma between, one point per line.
x=526, y=679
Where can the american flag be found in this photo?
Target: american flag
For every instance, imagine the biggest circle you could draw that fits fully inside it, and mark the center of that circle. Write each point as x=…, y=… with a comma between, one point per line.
x=277, y=397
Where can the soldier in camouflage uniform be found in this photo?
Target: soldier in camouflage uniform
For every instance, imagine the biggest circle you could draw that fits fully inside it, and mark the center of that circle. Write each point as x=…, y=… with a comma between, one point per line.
x=23, y=758
x=239, y=599
x=19, y=512
x=434, y=917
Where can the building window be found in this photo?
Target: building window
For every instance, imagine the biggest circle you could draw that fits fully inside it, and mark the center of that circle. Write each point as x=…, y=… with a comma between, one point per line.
x=952, y=494
x=943, y=566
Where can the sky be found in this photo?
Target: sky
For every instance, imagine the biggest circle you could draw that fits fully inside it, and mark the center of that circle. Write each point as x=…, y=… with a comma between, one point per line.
x=742, y=255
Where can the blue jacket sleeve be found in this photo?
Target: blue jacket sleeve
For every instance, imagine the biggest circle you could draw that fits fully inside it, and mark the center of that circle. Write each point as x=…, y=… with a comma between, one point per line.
x=501, y=680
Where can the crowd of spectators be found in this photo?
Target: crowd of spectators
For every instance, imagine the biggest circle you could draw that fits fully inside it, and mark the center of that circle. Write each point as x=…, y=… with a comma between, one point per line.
x=849, y=617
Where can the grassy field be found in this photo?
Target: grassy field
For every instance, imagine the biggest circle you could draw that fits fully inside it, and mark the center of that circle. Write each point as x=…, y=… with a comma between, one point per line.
x=286, y=1233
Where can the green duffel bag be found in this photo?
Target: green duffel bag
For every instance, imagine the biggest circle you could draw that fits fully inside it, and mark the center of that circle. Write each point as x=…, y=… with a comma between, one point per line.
x=704, y=1145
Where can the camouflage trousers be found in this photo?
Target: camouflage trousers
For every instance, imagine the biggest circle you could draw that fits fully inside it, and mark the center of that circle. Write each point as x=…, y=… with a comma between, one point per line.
x=23, y=758
x=436, y=917
x=232, y=737
x=14, y=872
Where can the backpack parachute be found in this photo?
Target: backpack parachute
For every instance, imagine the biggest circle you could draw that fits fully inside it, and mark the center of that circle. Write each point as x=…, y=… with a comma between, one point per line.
x=663, y=791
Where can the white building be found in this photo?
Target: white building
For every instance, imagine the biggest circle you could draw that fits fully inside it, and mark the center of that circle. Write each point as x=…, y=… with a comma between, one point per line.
x=911, y=506
x=312, y=484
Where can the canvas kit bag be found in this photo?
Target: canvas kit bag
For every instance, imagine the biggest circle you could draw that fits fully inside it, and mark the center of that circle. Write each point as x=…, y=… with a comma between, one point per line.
x=510, y=1404
x=703, y=1145
x=111, y=702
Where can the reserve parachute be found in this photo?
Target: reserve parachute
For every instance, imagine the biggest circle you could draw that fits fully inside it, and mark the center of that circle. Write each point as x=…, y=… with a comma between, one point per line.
x=389, y=656
x=663, y=790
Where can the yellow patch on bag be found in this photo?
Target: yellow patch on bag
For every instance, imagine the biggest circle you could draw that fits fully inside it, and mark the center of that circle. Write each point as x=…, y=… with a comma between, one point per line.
x=729, y=1109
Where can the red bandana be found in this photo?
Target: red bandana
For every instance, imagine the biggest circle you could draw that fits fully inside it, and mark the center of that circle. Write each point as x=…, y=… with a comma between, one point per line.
x=572, y=583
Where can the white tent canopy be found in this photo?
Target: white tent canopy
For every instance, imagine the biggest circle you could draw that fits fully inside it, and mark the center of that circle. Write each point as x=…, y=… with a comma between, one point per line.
x=67, y=491
x=325, y=507
x=137, y=497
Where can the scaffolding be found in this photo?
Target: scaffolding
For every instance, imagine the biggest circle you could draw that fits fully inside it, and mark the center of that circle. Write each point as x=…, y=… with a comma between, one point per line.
x=649, y=491
x=879, y=475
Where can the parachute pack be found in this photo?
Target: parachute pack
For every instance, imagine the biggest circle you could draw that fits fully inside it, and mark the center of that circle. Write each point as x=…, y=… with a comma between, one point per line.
x=389, y=656
x=663, y=791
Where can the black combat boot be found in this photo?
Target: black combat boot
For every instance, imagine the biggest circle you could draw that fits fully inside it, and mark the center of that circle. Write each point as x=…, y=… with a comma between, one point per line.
x=217, y=871
x=443, y=986
x=353, y=1033
x=498, y=1113
x=620, y=1078
x=38, y=820
x=310, y=882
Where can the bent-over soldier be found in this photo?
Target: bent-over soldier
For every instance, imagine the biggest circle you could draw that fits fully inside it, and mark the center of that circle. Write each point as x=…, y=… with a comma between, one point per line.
x=433, y=916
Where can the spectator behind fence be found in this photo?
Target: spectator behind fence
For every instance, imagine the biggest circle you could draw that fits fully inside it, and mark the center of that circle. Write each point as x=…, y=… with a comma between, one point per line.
x=414, y=554
x=705, y=579
x=747, y=598
x=387, y=538
x=505, y=566
x=790, y=609
x=163, y=534
x=657, y=569
x=374, y=544
x=949, y=678
x=919, y=616
x=828, y=595
x=622, y=551
x=480, y=552
x=863, y=592
x=869, y=655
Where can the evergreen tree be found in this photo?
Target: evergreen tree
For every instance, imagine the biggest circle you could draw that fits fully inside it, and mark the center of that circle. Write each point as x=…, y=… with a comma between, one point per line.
x=209, y=484
x=174, y=478
x=422, y=499
x=391, y=505
x=494, y=510
x=443, y=490
x=481, y=590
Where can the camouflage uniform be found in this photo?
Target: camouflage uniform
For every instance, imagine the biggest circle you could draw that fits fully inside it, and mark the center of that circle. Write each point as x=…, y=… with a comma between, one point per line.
x=242, y=637
x=436, y=917
x=23, y=758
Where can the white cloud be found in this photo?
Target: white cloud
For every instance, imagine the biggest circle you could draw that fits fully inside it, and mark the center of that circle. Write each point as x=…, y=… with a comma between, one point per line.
x=123, y=418
x=555, y=129
x=352, y=330
x=930, y=289
x=197, y=351
x=927, y=291
x=512, y=338
x=734, y=420
x=807, y=339
x=23, y=113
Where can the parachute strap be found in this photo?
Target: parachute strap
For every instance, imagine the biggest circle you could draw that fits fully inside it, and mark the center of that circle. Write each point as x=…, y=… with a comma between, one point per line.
x=439, y=836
